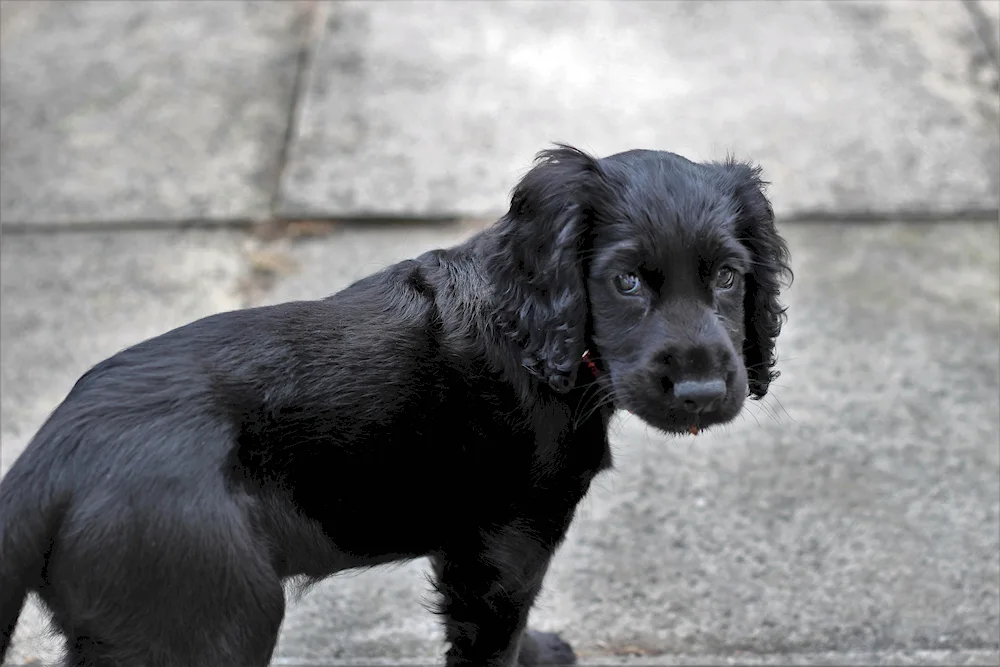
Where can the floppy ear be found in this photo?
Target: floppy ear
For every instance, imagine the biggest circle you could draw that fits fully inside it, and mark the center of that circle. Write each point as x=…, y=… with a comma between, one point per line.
x=536, y=264
x=762, y=308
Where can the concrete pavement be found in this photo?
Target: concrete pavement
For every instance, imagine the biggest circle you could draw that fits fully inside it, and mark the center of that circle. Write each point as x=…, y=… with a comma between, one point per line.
x=441, y=101
x=144, y=112
x=172, y=111
x=853, y=517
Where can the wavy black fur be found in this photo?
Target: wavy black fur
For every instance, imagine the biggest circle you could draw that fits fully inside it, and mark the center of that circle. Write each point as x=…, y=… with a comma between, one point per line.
x=771, y=270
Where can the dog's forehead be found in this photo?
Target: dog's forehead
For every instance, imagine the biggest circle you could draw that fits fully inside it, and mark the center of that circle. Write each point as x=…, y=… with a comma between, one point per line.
x=641, y=163
x=668, y=205
x=667, y=183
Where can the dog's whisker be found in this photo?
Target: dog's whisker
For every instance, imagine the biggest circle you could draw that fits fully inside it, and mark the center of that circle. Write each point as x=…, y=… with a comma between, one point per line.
x=604, y=401
x=746, y=409
x=595, y=390
x=769, y=411
x=776, y=400
x=767, y=401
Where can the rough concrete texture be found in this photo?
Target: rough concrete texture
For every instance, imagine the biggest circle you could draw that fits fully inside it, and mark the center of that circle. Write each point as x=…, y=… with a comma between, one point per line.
x=850, y=518
x=117, y=111
x=830, y=658
x=852, y=107
x=987, y=12
x=71, y=300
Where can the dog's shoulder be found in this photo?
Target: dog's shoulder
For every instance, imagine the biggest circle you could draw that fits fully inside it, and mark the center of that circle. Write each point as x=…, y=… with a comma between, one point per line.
x=405, y=283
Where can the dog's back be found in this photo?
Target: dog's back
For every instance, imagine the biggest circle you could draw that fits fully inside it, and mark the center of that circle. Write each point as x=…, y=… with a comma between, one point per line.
x=30, y=510
x=123, y=473
x=182, y=473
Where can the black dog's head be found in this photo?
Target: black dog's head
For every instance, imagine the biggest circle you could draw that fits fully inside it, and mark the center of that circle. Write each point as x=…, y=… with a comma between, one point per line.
x=668, y=271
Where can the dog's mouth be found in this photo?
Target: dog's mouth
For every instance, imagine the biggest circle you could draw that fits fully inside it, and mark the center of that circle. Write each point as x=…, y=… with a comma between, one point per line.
x=656, y=405
x=677, y=422
x=667, y=414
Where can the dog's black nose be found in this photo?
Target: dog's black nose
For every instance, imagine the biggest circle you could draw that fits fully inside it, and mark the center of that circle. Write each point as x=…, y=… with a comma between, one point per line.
x=700, y=395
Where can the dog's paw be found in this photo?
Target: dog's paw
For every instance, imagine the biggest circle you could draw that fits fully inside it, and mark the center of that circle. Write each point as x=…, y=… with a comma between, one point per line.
x=544, y=648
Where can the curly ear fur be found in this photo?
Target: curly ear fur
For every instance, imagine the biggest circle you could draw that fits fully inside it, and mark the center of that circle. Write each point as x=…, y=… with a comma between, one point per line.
x=536, y=261
x=763, y=310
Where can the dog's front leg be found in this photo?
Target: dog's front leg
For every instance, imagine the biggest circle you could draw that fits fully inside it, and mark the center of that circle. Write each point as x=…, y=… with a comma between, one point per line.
x=486, y=592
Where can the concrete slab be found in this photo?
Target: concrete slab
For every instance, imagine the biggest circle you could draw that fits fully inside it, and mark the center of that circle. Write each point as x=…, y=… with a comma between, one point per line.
x=68, y=301
x=854, y=512
x=987, y=12
x=435, y=108
x=832, y=659
x=851, y=518
x=143, y=111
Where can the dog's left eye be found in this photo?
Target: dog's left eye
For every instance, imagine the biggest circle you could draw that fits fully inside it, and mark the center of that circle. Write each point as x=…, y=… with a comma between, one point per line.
x=725, y=278
x=627, y=283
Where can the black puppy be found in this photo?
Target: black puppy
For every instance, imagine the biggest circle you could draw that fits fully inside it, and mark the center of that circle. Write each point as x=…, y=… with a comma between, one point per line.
x=453, y=406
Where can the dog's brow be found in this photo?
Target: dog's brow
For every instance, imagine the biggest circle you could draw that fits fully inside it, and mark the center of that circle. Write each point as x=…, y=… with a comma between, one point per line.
x=622, y=255
x=731, y=251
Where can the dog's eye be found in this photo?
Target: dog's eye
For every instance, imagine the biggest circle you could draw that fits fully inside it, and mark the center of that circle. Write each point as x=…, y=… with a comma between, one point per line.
x=627, y=283
x=725, y=278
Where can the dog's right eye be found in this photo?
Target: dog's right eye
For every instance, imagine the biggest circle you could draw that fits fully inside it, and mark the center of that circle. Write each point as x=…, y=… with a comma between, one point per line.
x=627, y=283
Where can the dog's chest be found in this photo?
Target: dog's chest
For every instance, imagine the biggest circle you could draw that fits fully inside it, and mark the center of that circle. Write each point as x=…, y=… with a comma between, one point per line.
x=406, y=487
